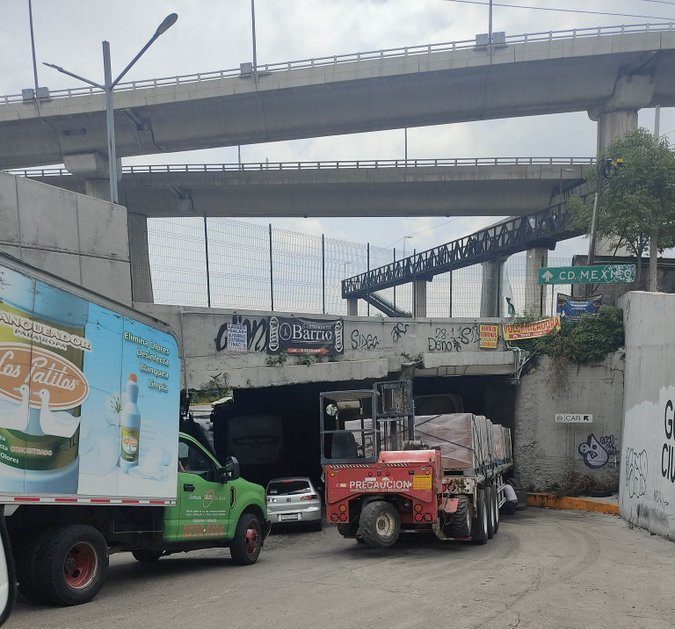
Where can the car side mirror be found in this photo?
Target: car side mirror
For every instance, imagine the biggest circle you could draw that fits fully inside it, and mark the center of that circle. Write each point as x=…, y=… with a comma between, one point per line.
x=231, y=471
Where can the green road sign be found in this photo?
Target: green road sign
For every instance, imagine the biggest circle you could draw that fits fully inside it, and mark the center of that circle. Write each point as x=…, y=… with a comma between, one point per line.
x=597, y=274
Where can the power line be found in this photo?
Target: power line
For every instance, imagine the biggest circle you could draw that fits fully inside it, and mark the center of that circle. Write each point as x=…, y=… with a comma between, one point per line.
x=559, y=10
x=672, y=4
x=452, y=220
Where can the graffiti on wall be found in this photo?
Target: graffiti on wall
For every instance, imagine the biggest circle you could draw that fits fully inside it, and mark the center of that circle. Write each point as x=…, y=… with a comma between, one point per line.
x=399, y=331
x=596, y=452
x=257, y=330
x=361, y=340
x=668, y=450
x=637, y=467
x=453, y=339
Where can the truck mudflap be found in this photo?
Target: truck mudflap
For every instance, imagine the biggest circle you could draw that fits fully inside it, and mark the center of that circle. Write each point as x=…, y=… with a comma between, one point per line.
x=267, y=528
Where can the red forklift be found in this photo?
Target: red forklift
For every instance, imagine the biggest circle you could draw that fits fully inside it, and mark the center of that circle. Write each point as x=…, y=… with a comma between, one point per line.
x=388, y=471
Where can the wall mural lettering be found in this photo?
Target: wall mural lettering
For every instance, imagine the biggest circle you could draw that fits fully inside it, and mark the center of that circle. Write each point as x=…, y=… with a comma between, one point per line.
x=453, y=339
x=359, y=340
x=257, y=331
x=637, y=467
x=668, y=450
x=399, y=331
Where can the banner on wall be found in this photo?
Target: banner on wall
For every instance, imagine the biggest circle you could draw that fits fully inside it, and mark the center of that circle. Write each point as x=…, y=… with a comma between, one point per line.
x=489, y=335
x=536, y=329
x=569, y=308
x=298, y=335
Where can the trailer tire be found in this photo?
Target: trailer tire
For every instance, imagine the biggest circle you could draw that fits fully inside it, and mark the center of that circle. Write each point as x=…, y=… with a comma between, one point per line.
x=72, y=566
x=379, y=524
x=460, y=520
x=479, y=531
x=490, y=505
x=247, y=542
x=496, y=498
x=146, y=555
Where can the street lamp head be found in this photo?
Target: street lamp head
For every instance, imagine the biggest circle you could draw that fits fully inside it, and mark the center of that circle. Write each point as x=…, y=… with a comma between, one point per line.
x=168, y=22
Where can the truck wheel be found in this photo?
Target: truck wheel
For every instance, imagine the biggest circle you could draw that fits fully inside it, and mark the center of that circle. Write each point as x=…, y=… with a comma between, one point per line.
x=145, y=555
x=460, y=520
x=27, y=555
x=496, y=510
x=247, y=542
x=479, y=530
x=348, y=530
x=490, y=505
x=379, y=524
x=72, y=565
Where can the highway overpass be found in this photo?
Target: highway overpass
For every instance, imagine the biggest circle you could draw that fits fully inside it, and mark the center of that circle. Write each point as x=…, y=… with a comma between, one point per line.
x=443, y=187
x=611, y=72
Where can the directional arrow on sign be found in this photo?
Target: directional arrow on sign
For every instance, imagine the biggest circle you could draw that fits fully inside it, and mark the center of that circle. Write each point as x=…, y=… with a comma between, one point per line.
x=547, y=275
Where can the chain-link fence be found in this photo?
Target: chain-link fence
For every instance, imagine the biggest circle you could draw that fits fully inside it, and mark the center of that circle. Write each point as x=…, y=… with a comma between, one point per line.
x=261, y=267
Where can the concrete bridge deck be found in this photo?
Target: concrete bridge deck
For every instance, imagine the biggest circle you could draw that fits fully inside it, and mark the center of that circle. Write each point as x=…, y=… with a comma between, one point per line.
x=425, y=187
x=601, y=70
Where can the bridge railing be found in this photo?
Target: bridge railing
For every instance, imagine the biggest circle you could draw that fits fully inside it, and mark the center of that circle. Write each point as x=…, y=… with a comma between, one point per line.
x=327, y=165
x=373, y=55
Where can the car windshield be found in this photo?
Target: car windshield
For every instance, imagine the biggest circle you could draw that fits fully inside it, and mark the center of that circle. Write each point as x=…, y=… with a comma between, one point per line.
x=285, y=487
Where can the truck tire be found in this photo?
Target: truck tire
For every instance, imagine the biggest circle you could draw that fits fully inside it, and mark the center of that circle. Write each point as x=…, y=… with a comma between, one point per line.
x=145, y=555
x=72, y=565
x=479, y=530
x=379, y=524
x=460, y=521
x=27, y=555
x=348, y=530
x=490, y=505
x=247, y=542
x=496, y=498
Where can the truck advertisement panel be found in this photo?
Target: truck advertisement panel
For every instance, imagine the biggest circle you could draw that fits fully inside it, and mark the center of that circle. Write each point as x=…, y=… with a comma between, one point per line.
x=88, y=397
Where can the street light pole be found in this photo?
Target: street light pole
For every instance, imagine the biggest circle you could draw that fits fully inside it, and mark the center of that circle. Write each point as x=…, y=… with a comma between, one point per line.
x=108, y=86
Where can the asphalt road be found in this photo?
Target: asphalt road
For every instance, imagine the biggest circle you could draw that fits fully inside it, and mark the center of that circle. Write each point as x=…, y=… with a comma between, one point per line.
x=543, y=569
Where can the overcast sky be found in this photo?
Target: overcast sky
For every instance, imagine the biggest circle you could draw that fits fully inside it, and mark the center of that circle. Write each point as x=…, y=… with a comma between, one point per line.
x=212, y=35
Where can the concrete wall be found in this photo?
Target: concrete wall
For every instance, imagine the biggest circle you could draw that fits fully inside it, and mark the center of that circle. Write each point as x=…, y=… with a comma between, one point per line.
x=74, y=236
x=373, y=348
x=647, y=489
x=545, y=451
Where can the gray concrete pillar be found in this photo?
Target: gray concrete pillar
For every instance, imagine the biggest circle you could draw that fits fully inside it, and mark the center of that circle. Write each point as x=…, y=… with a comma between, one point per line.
x=535, y=259
x=139, y=256
x=99, y=188
x=491, y=288
x=613, y=125
x=352, y=307
x=420, y=298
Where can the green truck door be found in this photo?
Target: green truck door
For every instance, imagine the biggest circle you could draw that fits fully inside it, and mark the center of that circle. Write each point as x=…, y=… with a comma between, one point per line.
x=203, y=505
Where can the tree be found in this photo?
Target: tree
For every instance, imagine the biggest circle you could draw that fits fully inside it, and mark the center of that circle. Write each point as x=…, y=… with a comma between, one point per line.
x=635, y=182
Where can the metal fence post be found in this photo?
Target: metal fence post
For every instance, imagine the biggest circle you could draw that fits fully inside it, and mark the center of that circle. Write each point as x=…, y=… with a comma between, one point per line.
x=323, y=272
x=394, y=271
x=208, y=274
x=271, y=271
x=368, y=263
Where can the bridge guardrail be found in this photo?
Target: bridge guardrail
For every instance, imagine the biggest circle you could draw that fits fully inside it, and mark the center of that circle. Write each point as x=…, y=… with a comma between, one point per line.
x=373, y=55
x=326, y=165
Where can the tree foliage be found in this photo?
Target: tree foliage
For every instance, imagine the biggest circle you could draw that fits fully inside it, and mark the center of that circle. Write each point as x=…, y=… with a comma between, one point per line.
x=636, y=194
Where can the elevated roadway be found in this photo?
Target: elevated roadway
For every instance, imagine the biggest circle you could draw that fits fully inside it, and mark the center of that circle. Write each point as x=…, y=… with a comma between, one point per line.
x=462, y=187
x=610, y=72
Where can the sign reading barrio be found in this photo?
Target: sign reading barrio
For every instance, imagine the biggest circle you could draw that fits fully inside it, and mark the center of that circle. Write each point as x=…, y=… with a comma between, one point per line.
x=520, y=331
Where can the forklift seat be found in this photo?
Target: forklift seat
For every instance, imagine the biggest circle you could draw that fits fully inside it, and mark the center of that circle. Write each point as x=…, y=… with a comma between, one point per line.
x=344, y=446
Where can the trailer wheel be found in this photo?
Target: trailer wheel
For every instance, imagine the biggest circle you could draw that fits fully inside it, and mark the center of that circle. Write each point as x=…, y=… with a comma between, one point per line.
x=145, y=555
x=460, y=520
x=479, y=531
x=496, y=510
x=247, y=542
x=490, y=506
x=379, y=524
x=72, y=565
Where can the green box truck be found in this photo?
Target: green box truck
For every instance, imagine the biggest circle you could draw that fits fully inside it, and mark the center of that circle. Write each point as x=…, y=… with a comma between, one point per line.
x=91, y=457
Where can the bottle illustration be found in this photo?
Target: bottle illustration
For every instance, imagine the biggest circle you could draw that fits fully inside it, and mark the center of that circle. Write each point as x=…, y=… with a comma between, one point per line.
x=130, y=426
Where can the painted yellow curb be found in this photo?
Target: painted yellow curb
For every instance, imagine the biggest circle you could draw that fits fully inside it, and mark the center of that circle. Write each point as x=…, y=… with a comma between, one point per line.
x=552, y=501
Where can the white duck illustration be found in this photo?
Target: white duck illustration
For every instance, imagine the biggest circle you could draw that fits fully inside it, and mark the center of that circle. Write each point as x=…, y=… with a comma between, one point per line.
x=16, y=417
x=58, y=424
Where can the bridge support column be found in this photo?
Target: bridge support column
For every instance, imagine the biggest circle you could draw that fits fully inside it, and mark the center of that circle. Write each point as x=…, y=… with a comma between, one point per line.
x=491, y=288
x=535, y=259
x=352, y=307
x=141, y=281
x=613, y=125
x=420, y=298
